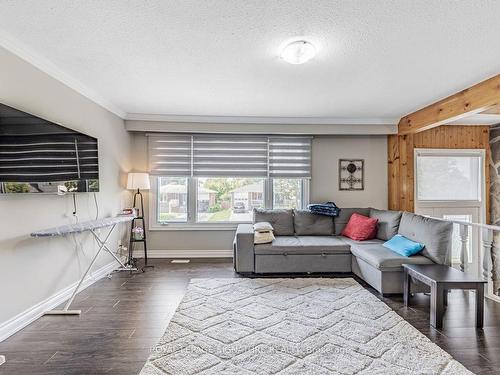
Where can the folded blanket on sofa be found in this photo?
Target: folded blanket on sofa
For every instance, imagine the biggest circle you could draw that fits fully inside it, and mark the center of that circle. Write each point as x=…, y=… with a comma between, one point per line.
x=328, y=209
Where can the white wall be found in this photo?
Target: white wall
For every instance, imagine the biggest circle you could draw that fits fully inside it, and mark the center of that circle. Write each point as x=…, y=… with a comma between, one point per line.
x=34, y=269
x=326, y=150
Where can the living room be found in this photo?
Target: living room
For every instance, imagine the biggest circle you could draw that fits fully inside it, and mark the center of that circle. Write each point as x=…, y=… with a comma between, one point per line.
x=249, y=187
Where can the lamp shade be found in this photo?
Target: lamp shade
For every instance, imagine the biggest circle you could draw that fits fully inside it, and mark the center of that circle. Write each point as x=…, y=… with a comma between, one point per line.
x=138, y=181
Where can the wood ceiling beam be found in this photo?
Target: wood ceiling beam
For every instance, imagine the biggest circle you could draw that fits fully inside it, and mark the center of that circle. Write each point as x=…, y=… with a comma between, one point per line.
x=472, y=100
x=495, y=110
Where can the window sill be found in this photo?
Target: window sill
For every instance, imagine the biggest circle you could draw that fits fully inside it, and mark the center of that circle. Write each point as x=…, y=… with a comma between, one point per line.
x=195, y=227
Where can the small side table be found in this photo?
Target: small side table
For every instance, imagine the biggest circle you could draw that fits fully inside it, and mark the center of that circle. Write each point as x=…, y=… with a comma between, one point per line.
x=441, y=278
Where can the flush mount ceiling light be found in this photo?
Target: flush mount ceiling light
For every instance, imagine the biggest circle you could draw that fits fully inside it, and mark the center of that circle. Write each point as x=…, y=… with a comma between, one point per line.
x=298, y=52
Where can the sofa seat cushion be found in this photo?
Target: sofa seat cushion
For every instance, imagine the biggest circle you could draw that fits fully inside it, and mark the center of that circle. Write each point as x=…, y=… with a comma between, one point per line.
x=349, y=241
x=304, y=245
x=384, y=259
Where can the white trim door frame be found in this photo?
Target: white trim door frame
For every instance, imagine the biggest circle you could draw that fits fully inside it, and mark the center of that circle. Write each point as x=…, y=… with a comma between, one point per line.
x=473, y=210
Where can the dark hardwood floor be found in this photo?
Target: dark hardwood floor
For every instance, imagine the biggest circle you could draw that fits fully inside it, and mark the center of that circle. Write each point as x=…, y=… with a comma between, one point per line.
x=124, y=316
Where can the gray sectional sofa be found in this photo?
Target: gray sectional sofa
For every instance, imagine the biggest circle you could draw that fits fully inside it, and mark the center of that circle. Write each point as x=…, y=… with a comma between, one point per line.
x=309, y=243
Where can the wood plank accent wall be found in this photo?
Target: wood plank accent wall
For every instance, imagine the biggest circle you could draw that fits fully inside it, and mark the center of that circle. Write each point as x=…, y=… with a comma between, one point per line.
x=401, y=174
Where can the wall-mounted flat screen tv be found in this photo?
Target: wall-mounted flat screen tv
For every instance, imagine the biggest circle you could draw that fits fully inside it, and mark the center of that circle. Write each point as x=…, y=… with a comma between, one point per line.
x=39, y=156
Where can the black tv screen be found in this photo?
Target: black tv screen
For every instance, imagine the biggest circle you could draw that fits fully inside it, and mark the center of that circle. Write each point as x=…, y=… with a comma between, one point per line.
x=39, y=156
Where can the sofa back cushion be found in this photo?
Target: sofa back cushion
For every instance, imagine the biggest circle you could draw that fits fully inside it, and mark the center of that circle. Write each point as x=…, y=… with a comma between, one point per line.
x=344, y=216
x=434, y=234
x=309, y=224
x=388, y=223
x=281, y=220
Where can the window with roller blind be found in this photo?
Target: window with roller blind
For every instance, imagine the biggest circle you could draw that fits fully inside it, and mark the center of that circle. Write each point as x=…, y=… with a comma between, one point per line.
x=212, y=179
x=448, y=175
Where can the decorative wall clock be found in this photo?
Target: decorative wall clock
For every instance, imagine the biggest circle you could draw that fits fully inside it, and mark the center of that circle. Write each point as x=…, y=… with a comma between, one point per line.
x=351, y=174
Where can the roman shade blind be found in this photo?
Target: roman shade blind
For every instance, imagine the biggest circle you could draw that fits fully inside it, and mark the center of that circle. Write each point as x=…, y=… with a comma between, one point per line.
x=229, y=156
x=224, y=155
x=170, y=155
x=290, y=157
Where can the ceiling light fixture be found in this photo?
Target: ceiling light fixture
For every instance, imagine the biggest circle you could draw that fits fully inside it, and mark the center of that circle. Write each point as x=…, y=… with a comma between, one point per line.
x=298, y=52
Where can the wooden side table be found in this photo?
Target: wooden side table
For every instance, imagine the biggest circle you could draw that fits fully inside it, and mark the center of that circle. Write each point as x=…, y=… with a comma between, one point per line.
x=440, y=279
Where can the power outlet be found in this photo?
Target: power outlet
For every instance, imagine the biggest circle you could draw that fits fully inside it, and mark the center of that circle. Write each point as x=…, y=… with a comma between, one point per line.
x=2, y=359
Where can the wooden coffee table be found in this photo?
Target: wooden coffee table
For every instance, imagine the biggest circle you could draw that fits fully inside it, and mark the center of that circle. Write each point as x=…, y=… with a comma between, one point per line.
x=441, y=278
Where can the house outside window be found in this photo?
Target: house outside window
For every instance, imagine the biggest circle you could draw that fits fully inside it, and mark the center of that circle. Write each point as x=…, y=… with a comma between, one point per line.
x=231, y=199
x=172, y=199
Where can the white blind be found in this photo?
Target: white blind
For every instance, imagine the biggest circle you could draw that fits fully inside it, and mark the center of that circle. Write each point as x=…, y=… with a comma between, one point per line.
x=170, y=155
x=290, y=157
x=449, y=177
x=210, y=155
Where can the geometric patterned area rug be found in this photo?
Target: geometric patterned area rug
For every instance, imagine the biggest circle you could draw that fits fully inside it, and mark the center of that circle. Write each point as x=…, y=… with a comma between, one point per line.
x=302, y=326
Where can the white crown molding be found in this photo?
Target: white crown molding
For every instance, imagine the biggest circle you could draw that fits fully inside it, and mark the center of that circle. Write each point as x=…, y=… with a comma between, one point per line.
x=19, y=49
x=18, y=322
x=261, y=119
x=184, y=254
x=241, y=128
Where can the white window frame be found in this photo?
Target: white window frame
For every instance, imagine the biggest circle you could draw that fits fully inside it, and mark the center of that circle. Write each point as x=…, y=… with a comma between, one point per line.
x=439, y=207
x=192, y=209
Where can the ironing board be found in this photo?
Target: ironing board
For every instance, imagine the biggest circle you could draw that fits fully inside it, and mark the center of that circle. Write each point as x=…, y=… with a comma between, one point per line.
x=91, y=226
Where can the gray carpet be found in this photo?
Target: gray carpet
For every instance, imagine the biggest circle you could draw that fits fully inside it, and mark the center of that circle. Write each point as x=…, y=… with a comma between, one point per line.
x=291, y=326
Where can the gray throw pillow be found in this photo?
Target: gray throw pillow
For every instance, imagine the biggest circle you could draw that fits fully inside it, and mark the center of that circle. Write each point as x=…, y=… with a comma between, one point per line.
x=309, y=224
x=388, y=223
x=281, y=220
x=434, y=234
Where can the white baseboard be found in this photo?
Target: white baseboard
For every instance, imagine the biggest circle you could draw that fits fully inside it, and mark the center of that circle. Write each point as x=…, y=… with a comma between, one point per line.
x=185, y=253
x=28, y=316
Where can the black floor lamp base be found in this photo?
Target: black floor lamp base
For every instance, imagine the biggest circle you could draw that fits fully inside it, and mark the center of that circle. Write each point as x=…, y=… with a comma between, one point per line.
x=140, y=217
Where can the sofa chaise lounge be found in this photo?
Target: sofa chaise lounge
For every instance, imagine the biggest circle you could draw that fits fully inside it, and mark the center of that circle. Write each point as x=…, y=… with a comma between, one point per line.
x=309, y=243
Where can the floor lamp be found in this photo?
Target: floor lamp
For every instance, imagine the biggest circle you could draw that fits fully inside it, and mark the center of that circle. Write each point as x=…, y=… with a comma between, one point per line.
x=138, y=181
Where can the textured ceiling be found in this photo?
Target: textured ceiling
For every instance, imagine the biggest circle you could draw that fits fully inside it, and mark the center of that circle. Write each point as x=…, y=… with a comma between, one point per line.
x=376, y=60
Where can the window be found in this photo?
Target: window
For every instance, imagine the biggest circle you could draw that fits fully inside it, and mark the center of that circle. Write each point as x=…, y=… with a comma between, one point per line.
x=448, y=177
x=204, y=201
x=287, y=193
x=217, y=179
x=228, y=199
x=172, y=194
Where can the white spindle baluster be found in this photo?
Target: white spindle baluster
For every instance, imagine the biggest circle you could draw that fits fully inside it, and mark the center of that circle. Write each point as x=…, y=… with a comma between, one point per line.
x=487, y=240
x=464, y=240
